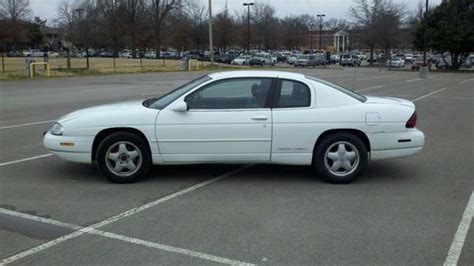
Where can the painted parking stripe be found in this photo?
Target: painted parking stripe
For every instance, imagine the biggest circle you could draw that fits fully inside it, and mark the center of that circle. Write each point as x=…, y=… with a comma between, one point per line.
x=428, y=94
x=461, y=233
x=371, y=88
x=413, y=80
x=123, y=238
x=117, y=217
x=26, y=159
x=465, y=81
x=27, y=124
x=379, y=77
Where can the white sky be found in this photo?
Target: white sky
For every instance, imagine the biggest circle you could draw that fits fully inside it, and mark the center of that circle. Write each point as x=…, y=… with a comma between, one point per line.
x=332, y=8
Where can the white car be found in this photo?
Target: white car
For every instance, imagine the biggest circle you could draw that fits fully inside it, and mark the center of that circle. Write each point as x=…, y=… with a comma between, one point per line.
x=241, y=60
x=241, y=117
x=395, y=62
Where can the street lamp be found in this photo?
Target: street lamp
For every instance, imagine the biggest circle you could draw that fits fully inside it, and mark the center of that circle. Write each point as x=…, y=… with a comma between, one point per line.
x=311, y=27
x=320, y=16
x=211, y=47
x=248, y=25
x=424, y=36
x=81, y=34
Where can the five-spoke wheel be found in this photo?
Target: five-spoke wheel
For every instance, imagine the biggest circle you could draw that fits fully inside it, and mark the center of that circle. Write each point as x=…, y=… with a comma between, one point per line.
x=123, y=157
x=338, y=158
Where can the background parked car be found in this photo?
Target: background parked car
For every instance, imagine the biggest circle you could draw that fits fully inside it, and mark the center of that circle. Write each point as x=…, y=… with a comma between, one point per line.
x=241, y=60
x=418, y=62
x=262, y=59
x=349, y=60
x=395, y=62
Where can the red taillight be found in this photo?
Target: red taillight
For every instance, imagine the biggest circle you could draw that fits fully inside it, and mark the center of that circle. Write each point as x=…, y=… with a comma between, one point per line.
x=411, y=123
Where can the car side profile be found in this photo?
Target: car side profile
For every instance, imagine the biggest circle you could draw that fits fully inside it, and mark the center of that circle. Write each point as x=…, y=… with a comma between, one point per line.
x=267, y=117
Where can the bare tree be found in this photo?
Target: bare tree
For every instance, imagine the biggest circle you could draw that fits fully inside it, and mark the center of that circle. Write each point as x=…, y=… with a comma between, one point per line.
x=265, y=24
x=337, y=24
x=377, y=22
x=158, y=12
x=15, y=10
x=197, y=15
x=133, y=10
x=111, y=21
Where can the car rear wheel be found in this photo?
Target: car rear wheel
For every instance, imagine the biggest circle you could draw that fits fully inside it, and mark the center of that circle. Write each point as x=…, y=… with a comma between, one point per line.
x=123, y=157
x=339, y=158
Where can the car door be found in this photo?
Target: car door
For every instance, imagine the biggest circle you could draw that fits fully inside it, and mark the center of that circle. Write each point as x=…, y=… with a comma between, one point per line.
x=293, y=122
x=227, y=120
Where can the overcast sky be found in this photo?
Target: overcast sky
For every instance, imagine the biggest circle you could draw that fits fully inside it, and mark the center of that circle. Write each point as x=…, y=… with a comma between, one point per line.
x=332, y=8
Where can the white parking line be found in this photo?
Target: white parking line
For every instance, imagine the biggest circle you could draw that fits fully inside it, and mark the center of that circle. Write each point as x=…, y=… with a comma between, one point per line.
x=28, y=124
x=413, y=80
x=92, y=228
x=26, y=159
x=379, y=77
x=461, y=233
x=465, y=81
x=371, y=88
x=123, y=238
x=428, y=94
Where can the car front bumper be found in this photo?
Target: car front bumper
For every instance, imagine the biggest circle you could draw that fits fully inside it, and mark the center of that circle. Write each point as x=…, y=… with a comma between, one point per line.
x=70, y=148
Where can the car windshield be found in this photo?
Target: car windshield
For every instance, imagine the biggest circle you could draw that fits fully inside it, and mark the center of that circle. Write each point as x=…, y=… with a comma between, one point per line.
x=163, y=101
x=353, y=94
x=303, y=57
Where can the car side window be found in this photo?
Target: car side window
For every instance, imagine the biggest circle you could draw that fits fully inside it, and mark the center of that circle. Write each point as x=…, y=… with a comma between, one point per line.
x=242, y=93
x=293, y=94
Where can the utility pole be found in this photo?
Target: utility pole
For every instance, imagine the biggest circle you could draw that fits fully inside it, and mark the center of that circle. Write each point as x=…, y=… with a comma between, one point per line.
x=81, y=34
x=248, y=25
x=320, y=16
x=211, y=48
x=424, y=35
x=311, y=28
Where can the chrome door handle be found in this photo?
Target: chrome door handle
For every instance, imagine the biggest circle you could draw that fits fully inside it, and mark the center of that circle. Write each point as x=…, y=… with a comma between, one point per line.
x=259, y=118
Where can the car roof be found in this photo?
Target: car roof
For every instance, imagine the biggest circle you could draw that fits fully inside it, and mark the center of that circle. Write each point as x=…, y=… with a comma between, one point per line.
x=256, y=73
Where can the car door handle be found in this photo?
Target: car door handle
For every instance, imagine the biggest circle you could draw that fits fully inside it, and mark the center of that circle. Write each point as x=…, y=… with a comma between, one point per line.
x=259, y=118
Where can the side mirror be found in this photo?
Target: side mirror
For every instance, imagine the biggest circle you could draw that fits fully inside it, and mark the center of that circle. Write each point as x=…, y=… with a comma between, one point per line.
x=180, y=107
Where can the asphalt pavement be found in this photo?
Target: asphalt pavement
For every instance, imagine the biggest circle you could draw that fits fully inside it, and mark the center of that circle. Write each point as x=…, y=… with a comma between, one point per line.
x=410, y=211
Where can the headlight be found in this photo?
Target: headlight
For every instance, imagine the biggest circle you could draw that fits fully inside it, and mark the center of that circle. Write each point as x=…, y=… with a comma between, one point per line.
x=57, y=129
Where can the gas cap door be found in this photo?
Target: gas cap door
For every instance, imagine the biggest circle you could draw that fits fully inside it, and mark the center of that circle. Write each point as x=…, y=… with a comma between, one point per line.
x=372, y=119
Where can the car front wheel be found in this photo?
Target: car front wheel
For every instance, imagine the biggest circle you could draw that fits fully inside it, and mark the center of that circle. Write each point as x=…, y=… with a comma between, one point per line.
x=123, y=157
x=339, y=158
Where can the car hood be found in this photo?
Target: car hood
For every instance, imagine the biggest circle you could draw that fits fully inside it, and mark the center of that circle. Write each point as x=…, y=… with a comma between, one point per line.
x=115, y=114
x=389, y=100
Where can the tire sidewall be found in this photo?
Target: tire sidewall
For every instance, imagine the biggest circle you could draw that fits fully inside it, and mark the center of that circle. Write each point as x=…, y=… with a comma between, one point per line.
x=113, y=138
x=320, y=152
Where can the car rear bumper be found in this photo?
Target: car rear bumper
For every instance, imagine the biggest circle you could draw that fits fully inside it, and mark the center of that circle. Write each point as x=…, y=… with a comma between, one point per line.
x=74, y=149
x=396, y=144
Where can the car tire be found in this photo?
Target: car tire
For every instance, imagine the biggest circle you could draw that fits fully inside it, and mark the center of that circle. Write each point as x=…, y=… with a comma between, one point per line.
x=119, y=152
x=343, y=149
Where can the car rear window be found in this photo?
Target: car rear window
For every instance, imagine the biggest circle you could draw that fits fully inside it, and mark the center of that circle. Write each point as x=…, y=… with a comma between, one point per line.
x=353, y=94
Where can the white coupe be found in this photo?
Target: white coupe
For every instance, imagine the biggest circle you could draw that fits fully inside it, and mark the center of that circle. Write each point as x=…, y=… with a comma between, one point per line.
x=241, y=117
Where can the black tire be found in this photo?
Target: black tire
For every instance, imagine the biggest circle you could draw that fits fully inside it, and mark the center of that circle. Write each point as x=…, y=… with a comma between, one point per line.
x=321, y=163
x=143, y=161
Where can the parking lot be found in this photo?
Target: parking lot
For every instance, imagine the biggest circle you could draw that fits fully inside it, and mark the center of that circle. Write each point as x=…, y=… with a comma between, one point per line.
x=413, y=211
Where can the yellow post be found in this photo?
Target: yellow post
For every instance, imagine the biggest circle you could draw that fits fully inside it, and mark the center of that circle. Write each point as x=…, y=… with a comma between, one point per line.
x=32, y=68
x=190, y=64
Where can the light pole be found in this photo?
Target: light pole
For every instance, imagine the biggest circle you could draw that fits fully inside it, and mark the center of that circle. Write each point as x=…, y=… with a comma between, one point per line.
x=81, y=34
x=311, y=28
x=320, y=16
x=211, y=47
x=424, y=35
x=248, y=25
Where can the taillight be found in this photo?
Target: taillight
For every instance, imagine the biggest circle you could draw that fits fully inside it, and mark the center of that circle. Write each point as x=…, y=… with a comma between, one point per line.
x=411, y=123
